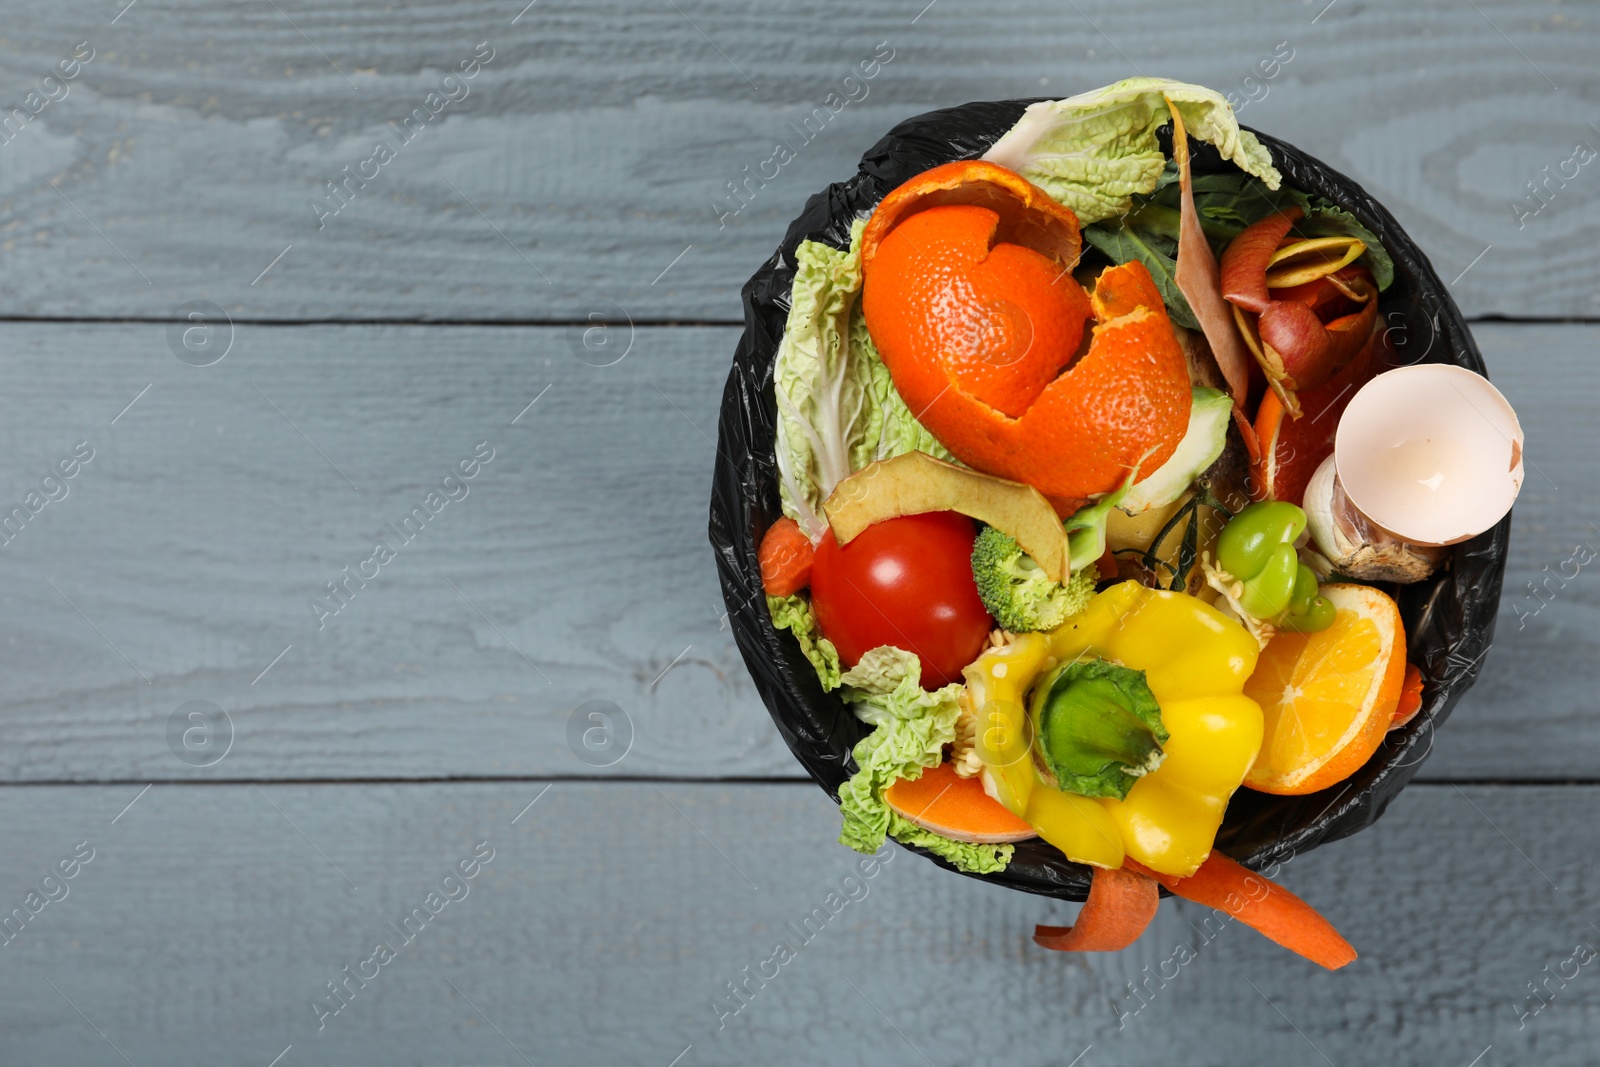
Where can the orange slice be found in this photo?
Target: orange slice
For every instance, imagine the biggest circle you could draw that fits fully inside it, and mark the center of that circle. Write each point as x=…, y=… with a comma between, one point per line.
x=956, y=807
x=1328, y=698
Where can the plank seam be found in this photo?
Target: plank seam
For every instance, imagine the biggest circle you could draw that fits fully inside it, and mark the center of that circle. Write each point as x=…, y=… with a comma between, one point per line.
x=639, y=323
x=619, y=779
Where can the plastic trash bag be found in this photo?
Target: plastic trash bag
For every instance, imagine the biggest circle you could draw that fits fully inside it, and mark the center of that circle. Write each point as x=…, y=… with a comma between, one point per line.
x=1449, y=618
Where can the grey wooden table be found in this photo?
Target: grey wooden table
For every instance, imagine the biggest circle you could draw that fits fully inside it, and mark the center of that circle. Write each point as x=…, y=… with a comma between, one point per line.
x=262, y=345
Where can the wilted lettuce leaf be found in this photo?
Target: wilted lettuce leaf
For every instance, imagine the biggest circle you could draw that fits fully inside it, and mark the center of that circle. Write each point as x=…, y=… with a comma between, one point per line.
x=1094, y=152
x=898, y=430
x=838, y=410
x=912, y=726
x=980, y=859
x=793, y=613
x=824, y=408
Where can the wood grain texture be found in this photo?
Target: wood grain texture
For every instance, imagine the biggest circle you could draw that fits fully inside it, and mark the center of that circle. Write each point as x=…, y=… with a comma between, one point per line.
x=588, y=154
x=584, y=173
x=1536, y=695
x=193, y=541
x=606, y=924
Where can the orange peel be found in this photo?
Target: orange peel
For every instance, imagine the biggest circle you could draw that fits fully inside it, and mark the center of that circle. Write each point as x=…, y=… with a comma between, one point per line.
x=969, y=297
x=1029, y=216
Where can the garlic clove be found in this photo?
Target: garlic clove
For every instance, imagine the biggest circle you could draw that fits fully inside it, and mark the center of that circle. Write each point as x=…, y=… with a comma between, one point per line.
x=1354, y=546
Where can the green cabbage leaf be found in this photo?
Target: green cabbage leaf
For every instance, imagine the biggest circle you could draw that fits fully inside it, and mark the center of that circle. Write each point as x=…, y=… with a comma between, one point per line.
x=793, y=613
x=912, y=726
x=838, y=410
x=1094, y=152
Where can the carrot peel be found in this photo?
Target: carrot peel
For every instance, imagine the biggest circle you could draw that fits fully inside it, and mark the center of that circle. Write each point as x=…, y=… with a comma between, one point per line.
x=1269, y=417
x=1252, y=441
x=1121, y=904
x=786, y=554
x=1410, y=697
x=1262, y=905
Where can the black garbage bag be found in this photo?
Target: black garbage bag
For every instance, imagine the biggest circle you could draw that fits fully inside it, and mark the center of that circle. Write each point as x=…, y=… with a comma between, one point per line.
x=1449, y=618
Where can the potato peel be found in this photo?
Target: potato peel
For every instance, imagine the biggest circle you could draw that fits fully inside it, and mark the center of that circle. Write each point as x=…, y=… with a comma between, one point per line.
x=916, y=483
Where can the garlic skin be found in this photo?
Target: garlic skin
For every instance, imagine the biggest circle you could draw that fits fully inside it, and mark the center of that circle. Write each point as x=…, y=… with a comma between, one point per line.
x=1353, y=545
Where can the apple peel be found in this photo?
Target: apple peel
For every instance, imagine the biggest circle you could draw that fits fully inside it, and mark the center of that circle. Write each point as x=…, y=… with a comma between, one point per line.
x=1244, y=261
x=1199, y=279
x=1280, y=323
x=1299, y=262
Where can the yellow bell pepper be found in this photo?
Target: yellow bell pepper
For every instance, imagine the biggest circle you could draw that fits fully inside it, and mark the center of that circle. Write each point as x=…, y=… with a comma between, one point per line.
x=996, y=687
x=1195, y=661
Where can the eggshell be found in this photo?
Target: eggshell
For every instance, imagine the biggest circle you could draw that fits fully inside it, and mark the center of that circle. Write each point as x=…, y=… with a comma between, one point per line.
x=1431, y=453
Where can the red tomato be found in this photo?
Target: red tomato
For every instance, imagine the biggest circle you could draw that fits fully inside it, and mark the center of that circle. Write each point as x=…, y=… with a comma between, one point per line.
x=905, y=582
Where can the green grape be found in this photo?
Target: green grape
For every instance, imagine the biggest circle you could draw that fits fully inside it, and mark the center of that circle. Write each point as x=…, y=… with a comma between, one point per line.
x=1318, y=615
x=1305, y=590
x=1249, y=541
x=1267, y=593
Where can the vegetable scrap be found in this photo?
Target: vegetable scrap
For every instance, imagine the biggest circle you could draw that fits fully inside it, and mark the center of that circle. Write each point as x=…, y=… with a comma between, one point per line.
x=1097, y=487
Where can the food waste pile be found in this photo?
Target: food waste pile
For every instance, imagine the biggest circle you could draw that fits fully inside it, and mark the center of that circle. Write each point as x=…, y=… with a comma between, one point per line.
x=1098, y=481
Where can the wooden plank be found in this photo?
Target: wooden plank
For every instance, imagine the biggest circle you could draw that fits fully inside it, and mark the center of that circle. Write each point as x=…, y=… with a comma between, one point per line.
x=586, y=157
x=215, y=509
x=575, y=570
x=606, y=924
x=1536, y=695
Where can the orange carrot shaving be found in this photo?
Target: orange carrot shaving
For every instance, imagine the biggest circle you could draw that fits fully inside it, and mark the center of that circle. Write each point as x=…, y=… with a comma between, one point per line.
x=1252, y=443
x=1410, y=697
x=1269, y=417
x=1121, y=904
x=1262, y=905
x=955, y=807
x=786, y=554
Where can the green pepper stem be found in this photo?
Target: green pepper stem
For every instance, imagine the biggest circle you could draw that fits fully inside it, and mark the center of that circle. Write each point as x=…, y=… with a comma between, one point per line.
x=1098, y=728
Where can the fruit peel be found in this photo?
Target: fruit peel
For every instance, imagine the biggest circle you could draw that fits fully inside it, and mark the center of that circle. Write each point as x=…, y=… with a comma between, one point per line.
x=961, y=247
x=1064, y=444
x=916, y=483
x=1029, y=216
x=1280, y=313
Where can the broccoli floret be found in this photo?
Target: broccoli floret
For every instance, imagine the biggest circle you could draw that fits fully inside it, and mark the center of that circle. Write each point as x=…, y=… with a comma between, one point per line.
x=1020, y=596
